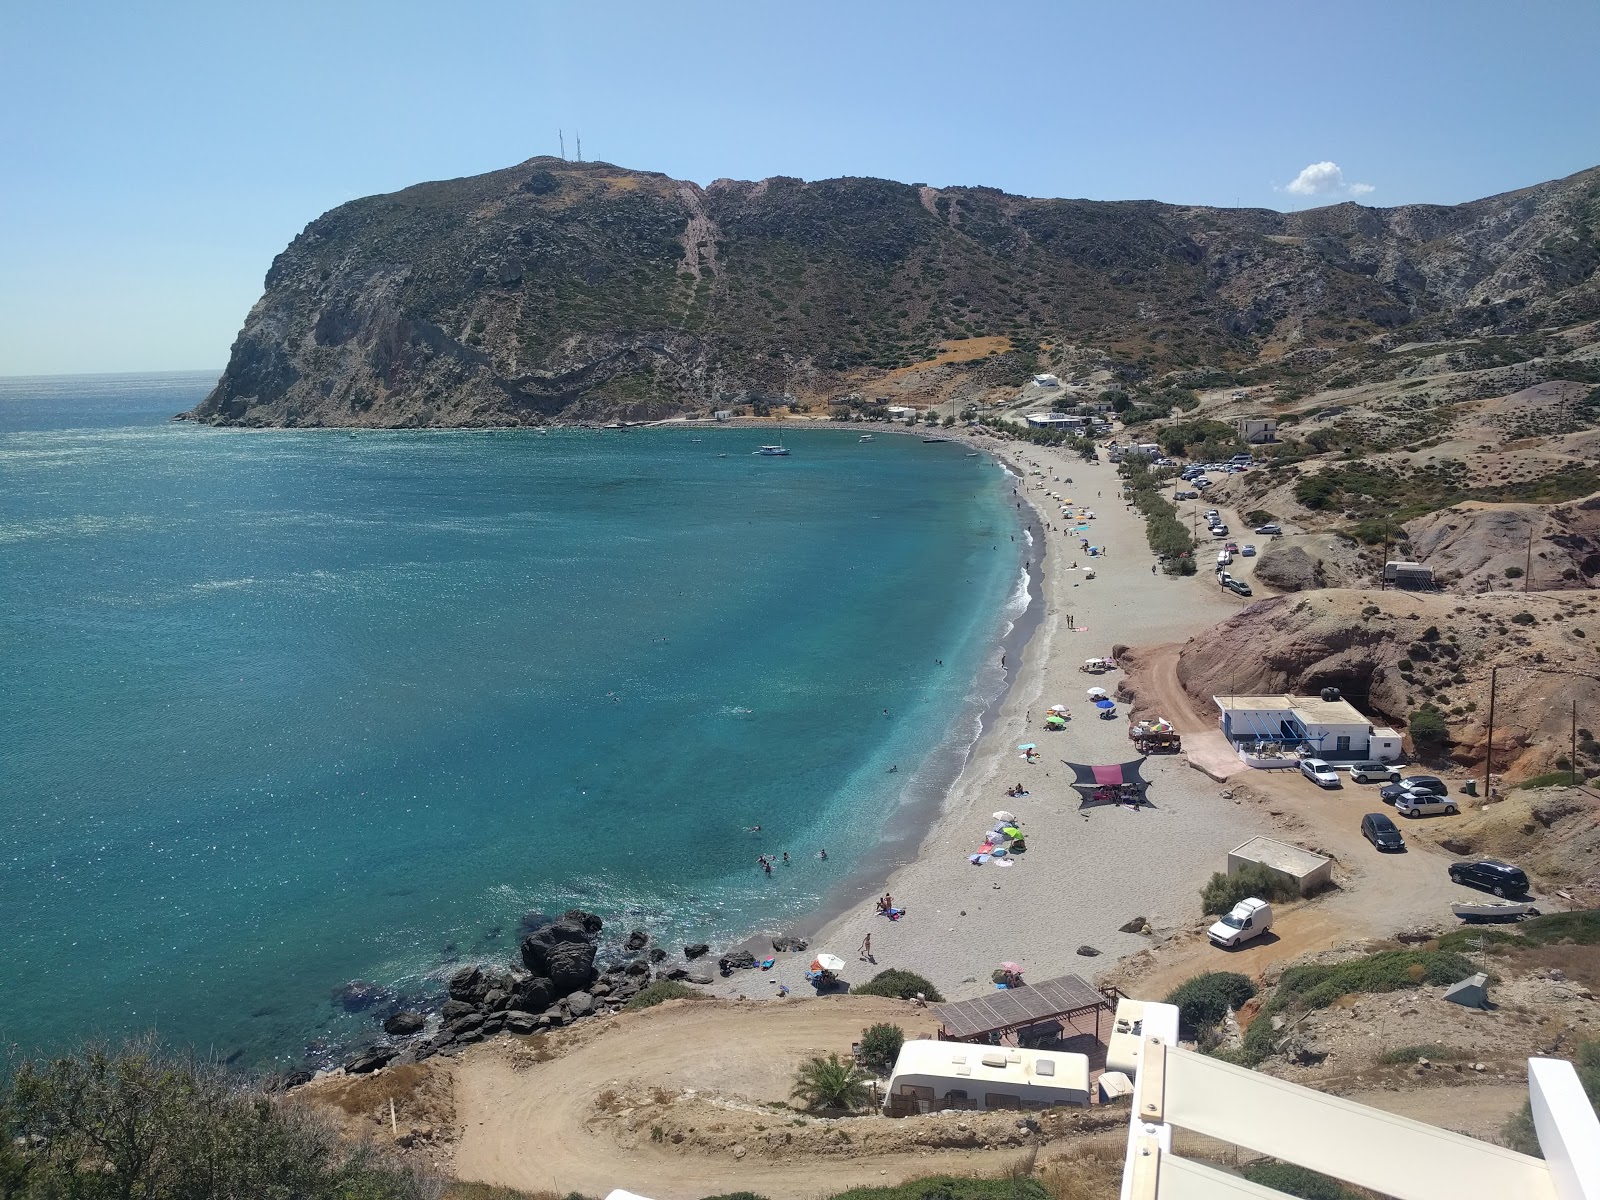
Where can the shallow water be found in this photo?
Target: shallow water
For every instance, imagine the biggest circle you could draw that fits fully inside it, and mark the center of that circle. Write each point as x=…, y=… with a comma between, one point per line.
x=286, y=709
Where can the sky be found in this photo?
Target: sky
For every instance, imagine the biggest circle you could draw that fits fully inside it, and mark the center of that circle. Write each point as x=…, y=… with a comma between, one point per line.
x=154, y=157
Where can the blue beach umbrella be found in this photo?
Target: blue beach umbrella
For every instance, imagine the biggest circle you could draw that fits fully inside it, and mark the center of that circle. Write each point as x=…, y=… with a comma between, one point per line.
x=1105, y=703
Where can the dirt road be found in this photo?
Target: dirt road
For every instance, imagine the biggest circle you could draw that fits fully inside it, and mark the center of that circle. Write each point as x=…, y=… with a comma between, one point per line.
x=535, y=1125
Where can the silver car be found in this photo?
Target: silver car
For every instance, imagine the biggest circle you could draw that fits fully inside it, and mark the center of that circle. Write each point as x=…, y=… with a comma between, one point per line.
x=1424, y=804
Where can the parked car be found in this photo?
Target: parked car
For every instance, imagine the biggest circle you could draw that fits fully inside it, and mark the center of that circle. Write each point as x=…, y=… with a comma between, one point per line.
x=1248, y=550
x=1202, y=483
x=1219, y=531
x=1270, y=527
x=1319, y=772
x=1210, y=512
x=1238, y=587
x=1248, y=919
x=1492, y=875
x=1368, y=771
x=1424, y=804
x=1378, y=829
x=1426, y=783
x=1232, y=547
x=1223, y=577
x=1185, y=494
x=1390, y=793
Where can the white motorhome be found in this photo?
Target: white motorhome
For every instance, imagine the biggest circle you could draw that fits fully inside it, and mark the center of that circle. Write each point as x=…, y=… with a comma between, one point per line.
x=930, y=1075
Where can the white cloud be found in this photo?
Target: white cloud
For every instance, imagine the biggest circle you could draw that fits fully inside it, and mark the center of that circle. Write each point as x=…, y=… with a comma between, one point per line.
x=1325, y=179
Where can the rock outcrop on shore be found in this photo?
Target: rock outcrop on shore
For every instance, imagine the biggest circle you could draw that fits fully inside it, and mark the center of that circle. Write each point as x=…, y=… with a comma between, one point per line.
x=557, y=290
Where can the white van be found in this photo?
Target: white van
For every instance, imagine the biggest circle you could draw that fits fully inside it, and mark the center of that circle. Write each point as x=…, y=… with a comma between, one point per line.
x=1249, y=919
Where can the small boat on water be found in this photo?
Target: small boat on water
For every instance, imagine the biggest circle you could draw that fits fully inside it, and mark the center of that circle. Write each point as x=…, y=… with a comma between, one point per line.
x=940, y=440
x=1493, y=910
x=778, y=451
x=866, y=437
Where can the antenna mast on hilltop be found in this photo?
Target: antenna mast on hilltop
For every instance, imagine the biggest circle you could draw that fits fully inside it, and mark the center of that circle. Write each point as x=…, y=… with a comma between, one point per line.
x=560, y=133
x=579, y=136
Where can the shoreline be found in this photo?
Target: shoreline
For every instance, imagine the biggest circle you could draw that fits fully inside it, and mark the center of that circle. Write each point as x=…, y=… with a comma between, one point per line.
x=956, y=928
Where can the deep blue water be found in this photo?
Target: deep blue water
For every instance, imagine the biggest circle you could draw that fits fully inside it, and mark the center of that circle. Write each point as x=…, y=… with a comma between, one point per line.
x=283, y=709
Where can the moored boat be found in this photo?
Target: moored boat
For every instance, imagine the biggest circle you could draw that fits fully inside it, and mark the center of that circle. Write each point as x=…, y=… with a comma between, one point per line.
x=1492, y=910
x=777, y=451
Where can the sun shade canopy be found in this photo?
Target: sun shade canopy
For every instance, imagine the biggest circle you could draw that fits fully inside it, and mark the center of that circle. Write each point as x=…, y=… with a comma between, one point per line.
x=1017, y=1008
x=1112, y=775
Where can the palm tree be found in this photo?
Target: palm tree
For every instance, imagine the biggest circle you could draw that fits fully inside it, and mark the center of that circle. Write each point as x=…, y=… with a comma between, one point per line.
x=831, y=1082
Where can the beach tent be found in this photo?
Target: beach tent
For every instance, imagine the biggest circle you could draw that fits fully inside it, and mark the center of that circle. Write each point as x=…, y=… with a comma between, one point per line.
x=1107, y=780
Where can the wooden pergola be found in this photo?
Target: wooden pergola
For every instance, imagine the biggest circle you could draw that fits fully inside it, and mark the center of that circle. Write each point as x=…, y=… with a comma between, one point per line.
x=1007, y=1011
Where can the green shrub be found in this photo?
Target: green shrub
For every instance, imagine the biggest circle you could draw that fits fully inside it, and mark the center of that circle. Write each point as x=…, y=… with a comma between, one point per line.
x=898, y=985
x=1580, y=928
x=1519, y=1133
x=1223, y=890
x=1296, y=1181
x=880, y=1045
x=1204, y=1000
x=1551, y=779
x=663, y=990
x=1428, y=726
x=159, y=1126
x=1513, y=572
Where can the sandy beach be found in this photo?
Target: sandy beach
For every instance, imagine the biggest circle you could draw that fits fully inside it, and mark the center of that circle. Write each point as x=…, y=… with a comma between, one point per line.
x=1085, y=873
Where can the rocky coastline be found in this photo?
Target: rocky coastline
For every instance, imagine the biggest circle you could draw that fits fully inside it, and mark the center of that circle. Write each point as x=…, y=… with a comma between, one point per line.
x=563, y=974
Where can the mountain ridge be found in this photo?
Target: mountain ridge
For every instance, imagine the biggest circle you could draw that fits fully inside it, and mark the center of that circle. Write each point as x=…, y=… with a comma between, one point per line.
x=563, y=291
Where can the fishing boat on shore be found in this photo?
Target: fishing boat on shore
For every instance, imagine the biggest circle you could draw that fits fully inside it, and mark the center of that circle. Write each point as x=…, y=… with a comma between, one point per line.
x=1493, y=910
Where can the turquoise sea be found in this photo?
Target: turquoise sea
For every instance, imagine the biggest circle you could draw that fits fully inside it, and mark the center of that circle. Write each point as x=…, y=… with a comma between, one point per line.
x=286, y=709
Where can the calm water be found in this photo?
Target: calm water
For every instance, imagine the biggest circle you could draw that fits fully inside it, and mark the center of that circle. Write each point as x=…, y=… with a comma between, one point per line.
x=286, y=709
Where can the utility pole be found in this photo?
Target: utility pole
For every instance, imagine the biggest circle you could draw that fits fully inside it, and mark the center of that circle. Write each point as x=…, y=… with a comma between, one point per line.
x=1574, y=751
x=562, y=134
x=1488, y=750
x=579, y=136
x=1383, y=572
x=1527, y=570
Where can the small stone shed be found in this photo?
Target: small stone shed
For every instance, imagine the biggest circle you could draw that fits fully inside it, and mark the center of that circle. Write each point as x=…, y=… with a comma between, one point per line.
x=1309, y=872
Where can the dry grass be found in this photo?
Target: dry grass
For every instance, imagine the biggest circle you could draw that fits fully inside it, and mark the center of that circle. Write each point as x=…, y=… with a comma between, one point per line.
x=1092, y=1171
x=360, y=1095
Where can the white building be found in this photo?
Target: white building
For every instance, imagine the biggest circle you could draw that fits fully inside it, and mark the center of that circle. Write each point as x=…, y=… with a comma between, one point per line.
x=723, y=414
x=1046, y=381
x=931, y=1075
x=1257, y=429
x=1307, y=871
x=1055, y=420
x=1333, y=728
x=900, y=412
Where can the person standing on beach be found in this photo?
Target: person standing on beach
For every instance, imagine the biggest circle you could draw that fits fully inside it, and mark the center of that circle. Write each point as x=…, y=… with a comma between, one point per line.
x=866, y=949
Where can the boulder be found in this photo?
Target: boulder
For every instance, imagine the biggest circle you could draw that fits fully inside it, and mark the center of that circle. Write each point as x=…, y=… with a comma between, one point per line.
x=657, y=954
x=675, y=973
x=579, y=1004
x=497, y=1000
x=401, y=1024
x=736, y=960
x=602, y=988
x=699, y=973
x=563, y=951
x=454, y=1010
x=1288, y=568
x=1088, y=951
x=470, y=984
x=696, y=950
x=521, y=1022
x=637, y=967
x=359, y=995
x=788, y=943
x=1133, y=926
x=463, y=1025
x=364, y=1062
x=587, y=921
x=638, y=939
x=531, y=993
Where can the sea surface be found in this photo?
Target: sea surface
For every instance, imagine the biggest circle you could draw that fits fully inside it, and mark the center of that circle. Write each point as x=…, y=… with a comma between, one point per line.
x=286, y=709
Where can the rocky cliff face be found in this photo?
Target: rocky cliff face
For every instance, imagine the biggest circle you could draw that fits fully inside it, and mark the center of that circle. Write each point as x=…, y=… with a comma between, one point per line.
x=557, y=290
x=1393, y=653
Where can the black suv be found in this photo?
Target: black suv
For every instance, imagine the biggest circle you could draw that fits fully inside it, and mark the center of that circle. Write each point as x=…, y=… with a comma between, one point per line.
x=1378, y=829
x=1492, y=876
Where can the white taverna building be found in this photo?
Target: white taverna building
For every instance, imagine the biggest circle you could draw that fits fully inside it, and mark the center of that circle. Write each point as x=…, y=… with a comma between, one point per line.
x=1333, y=727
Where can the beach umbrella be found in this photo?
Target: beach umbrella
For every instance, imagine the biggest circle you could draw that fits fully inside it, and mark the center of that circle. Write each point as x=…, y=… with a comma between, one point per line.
x=1011, y=831
x=828, y=962
x=1003, y=815
x=1055, y=722
x=1027, y=746
x=1057, y=708
x=1097, y=692
x=1014, y=968
x=1104, y=704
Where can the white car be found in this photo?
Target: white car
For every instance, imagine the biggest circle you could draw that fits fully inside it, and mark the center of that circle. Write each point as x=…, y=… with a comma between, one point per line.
x=1368, y=772
x=1424, y=804
x=1319, y=772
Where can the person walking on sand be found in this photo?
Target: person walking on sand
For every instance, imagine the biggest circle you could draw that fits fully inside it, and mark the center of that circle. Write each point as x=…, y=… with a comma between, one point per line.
x=866, y=949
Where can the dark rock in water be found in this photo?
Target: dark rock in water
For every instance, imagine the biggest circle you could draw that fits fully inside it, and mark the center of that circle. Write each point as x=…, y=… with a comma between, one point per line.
x=563, y=951
x=673, y=973
x=531, y=921
x=463, y=1025
x=787, y=943
x=591, y=924
x=294, y=1078
x=696, y=950
x=403, y=1023
x=579, y=1004
x=657, y=954
x=638, y=939
x=1133, y=926
x=359, y=995
x=638, y=967
x=470, y=984
x=1088, y=951
x=736, y=960
x=454, y=1010
x=532, y=993
x=366, y=1061
x=497, y=1000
